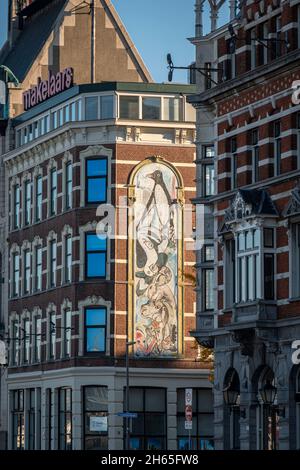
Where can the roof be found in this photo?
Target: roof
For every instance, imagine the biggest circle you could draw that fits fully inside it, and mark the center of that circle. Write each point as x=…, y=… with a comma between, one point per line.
x=129, y=87
x=32, y=39
x=36, y=31
x=248, y=203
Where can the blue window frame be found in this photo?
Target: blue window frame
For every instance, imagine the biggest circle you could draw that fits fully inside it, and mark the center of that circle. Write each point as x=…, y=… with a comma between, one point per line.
x=95, y=256
x=96, y=180
x=95, y=330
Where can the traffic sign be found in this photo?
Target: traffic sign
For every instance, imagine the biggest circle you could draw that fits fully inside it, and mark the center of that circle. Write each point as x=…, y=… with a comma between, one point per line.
x=128, y=415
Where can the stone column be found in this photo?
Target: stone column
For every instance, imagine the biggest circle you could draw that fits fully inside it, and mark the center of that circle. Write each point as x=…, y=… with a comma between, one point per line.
x=77, y=425
x=115, y=406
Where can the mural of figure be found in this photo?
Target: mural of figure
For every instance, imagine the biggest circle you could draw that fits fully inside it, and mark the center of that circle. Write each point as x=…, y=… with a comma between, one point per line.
x=156, y=261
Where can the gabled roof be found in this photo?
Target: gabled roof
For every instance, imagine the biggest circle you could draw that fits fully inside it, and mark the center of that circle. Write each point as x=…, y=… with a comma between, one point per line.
x=38, y=27
x=129, y=45
x=246, y=204
x=293, y=206
x=31, y=40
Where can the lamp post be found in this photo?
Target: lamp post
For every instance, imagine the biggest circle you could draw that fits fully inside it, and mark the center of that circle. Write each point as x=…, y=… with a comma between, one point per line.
x=127, y=420
x=268, y=393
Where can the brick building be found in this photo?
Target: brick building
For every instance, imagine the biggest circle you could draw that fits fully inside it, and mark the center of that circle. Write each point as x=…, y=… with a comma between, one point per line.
x=248, y=167
x=122, y=149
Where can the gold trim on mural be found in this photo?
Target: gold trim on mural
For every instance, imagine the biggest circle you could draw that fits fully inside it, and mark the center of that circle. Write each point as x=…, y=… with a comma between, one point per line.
x=180, y=247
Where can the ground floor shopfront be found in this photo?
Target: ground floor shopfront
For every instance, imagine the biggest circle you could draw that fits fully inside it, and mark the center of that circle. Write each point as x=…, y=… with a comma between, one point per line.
x=257, y=387
x=78, y=409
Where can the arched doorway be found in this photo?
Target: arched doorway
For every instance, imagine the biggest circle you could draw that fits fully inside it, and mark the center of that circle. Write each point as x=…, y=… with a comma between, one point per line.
x=231, y=396
x=266, y=413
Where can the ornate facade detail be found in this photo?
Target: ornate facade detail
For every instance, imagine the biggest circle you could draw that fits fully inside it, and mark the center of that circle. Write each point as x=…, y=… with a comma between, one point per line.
x=293, y=206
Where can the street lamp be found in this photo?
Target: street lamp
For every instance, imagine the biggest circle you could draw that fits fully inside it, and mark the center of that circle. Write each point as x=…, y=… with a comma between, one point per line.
x=231, y=394
x=268, y=393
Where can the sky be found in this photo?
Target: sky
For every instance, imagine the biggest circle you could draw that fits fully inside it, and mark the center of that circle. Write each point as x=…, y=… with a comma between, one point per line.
x=156, y=28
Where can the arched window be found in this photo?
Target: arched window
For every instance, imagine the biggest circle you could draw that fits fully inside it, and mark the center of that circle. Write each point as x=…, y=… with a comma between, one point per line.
x=231, y=395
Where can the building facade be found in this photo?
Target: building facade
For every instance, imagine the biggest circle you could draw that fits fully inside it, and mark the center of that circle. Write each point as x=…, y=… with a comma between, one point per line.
x=248, y=200
x=98, y=175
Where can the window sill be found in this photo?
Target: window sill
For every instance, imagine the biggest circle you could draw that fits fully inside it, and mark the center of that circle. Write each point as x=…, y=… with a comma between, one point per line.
x=294, y=299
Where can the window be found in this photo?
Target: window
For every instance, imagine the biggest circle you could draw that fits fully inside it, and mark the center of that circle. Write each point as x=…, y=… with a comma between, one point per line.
x=106, y=107
x=65, y=419
x=67, y=332
x=255, y=156
x=16, y=274
x=38, y=268
x=208, y=151
x=208, y=284
x=209, y=180
x=69, y=185
x=27, y=215
x=91, y=108
x=38, y=198
x=129, y=107
x=18, y=421
x=203, y=421
x=233, y=163
x=16, y=211
x=95, y=401
x=96, y=180
x=248, y=265
x=277, y=147
x=52, y=335
x=208, y=77
x=27, y=270
x=52, y=264
x=229, y=268
x=15, y=343
x=295, y=260
x=31, y=419
x=151, y=108
x=95, y=330
x=278, y=40
x=269, y=276
x=173, y=109
x=26, y=341
x=149, y=429
x=53, y=191
x=208, y=251
x=253, y=48
x=96, y=256
x=49, y=417
x=37, y=338
x=68, y=258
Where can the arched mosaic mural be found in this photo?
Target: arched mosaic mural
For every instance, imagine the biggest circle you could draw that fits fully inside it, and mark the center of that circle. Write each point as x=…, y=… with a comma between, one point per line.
x=155, y=259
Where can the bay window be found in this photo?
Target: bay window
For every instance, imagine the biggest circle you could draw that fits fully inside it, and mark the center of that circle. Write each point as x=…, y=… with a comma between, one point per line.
x=255, y=264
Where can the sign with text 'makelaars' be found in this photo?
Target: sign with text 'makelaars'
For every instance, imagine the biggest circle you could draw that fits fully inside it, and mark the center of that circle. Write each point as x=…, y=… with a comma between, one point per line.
x=45, y=89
